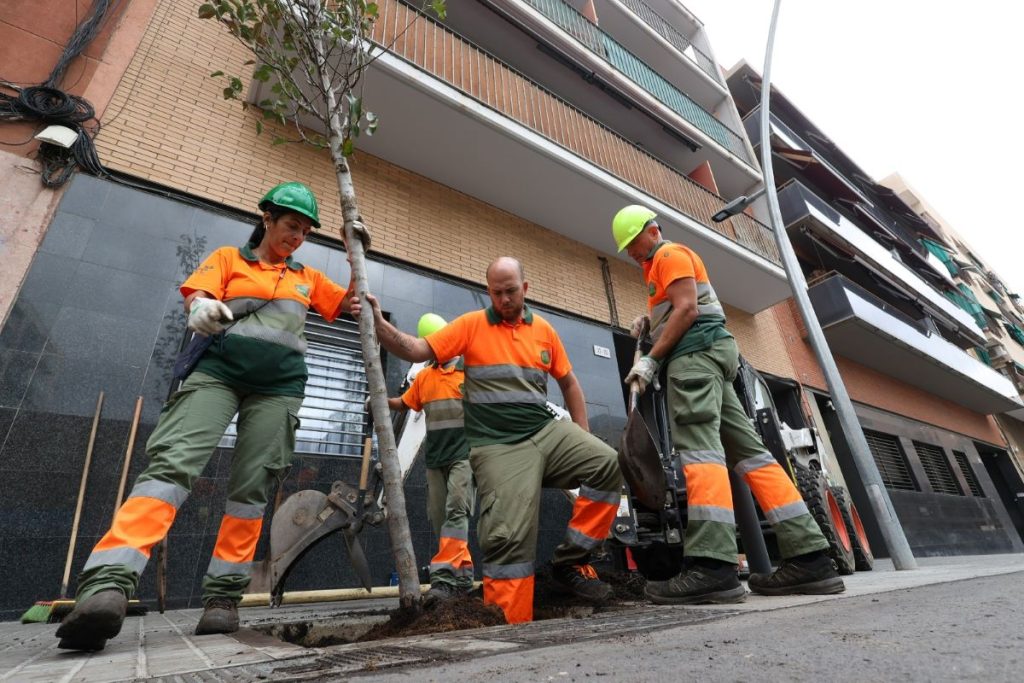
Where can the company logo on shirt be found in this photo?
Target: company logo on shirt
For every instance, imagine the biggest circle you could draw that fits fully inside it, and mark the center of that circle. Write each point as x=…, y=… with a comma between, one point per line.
x=652, y=290
x=545, y=357
x=303, y=290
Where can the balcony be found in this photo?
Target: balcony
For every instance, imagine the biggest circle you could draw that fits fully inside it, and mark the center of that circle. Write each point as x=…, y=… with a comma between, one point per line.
x=626, y=65
x=453, y=113
x=799, y=158
x=669, y=33
x=802, y=209
x=863, y=328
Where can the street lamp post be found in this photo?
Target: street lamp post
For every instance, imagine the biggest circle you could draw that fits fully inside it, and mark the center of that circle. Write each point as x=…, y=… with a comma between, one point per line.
x=892, y=532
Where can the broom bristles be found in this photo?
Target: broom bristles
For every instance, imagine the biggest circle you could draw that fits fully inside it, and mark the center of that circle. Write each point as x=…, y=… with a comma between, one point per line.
x=38, y=613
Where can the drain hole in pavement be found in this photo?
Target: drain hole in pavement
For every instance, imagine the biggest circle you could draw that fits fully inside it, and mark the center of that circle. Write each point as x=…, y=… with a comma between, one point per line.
x=325, y=632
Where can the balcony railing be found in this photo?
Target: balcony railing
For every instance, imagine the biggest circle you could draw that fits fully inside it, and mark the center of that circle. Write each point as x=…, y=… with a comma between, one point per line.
x=799, y=204
x=674, y=37
x=636, y=70
x=437, y=50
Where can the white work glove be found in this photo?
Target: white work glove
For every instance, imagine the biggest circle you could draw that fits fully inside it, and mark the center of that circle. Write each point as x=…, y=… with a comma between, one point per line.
x=638, y=325
x=644, y=372
x=361, y=231
x=207, y=316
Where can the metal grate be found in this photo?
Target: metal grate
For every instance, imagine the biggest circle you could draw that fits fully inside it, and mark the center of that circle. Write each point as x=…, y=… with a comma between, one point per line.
x=968, y=471
x=892, y=464
x=333, y=411
x=936, y=466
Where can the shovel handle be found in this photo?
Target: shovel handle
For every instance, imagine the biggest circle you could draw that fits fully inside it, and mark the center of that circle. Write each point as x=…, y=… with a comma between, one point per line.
x=364, y=471
x=634, y=386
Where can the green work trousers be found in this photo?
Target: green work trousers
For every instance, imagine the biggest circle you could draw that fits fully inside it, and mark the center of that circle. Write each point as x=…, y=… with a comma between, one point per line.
x=191, y=424
x=510, y=477
x=710, y=432
x=451, y=495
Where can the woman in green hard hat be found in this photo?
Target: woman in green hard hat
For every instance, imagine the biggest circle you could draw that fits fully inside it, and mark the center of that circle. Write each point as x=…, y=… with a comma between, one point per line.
x=252, y=302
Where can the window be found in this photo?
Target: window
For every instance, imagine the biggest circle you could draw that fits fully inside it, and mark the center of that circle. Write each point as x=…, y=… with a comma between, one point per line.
x=333, y=412
x=965, y=299
x=968, y=472
x=1015, y=332
x=937, y=467
x=891, y=462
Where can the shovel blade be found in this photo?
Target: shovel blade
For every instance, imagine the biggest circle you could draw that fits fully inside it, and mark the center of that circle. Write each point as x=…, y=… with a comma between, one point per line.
x=358, y=558
x=640, y=462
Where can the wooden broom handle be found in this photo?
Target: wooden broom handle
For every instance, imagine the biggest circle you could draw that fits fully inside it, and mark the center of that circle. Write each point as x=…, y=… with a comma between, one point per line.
x=128, y=456
x=81, y=497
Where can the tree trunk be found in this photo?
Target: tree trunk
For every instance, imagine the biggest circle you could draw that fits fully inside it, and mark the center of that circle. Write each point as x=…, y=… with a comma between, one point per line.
x=398, y=520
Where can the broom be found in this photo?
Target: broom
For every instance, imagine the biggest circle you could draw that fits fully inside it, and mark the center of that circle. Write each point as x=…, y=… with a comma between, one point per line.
x=61, y=608
x=40, y=612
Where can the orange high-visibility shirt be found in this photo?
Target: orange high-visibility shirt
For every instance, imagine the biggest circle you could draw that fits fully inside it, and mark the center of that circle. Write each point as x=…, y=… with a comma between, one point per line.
x=507, y=366
x=264, y=350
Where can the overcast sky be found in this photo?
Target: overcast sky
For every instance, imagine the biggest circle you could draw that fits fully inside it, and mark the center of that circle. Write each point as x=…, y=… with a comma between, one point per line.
x=927, y=89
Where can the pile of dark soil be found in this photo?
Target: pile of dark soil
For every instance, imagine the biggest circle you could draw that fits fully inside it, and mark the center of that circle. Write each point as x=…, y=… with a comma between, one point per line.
x=550, y=601
x=450, y=615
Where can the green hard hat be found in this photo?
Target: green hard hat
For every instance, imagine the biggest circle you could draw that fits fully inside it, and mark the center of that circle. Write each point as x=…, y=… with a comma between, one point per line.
x=630, y=222
x=294, y=197
x=429, y=324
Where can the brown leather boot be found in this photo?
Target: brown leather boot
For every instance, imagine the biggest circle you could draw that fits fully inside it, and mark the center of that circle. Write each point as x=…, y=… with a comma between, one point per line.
x=220, y=615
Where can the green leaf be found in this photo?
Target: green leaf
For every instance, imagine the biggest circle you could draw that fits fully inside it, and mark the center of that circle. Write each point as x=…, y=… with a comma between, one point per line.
x=229, y=94
x=259, y=128
x=262, y=73
x=278, y=140
x=207, y=11
x=439, y=8
x=348, y=147
x=215, y=74
x=371, y=9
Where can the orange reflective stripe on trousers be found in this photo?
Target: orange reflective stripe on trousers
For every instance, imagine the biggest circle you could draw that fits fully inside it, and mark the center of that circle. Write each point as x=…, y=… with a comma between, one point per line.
x=453, y=552
x=773, y=487
x=140, y=523
x=707, y=484
x=236, y=541
x=591, y=520
x=513, y=596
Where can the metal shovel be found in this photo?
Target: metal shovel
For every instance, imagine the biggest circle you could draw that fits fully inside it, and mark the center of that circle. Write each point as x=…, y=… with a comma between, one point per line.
x=639, y=458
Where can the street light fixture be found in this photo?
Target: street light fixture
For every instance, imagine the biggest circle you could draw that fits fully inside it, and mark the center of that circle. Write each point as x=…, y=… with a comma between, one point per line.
x=881, y=505
x=736, y=206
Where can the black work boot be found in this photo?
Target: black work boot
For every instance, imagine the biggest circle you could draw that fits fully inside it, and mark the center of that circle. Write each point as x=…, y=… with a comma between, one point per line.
x=93, y=621
x=581, y=580
x=810, y=574
x=702, y=582
x=440, y=591
x=220, y=615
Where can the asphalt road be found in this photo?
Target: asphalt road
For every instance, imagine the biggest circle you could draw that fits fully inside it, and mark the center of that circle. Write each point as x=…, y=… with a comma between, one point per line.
x=964, y=630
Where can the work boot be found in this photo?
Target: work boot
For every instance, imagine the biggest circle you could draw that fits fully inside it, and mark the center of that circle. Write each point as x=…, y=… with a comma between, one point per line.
x=439, y=592
x=93, y=621
x=704, y=582
x=220, y=615
x=811, y=574
x=581, y=580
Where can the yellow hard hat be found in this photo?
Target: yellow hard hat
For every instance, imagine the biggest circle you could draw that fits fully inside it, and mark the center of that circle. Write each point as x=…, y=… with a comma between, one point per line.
x=429, y=324
x=630, y=222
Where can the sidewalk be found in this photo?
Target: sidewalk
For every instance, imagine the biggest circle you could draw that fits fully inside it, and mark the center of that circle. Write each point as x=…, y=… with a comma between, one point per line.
x=162, y=645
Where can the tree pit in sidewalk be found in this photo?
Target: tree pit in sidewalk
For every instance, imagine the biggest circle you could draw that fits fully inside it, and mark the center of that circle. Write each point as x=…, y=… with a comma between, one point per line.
x=456, y=614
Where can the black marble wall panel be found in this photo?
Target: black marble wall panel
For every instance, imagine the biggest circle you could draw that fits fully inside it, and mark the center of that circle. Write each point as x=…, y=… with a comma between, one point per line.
x=100, y=311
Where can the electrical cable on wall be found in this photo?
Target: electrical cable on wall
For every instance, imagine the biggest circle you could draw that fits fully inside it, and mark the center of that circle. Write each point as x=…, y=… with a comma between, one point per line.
x=48, y=104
